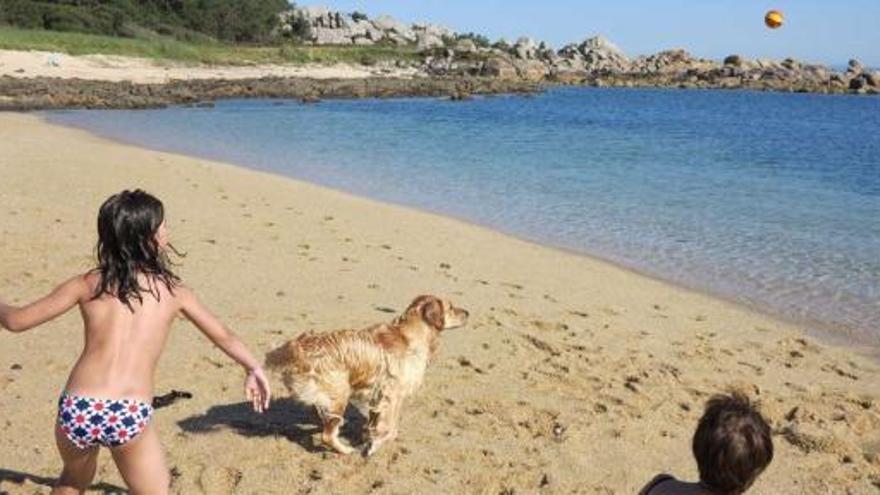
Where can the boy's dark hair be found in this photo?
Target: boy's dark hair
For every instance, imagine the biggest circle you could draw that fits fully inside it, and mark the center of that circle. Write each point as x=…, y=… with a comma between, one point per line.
x=127, y=226
x=732, y=444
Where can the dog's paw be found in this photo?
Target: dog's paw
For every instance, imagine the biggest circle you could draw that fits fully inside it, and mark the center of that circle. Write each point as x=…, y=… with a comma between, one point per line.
x=371, y=449
x=342, y=448
x=375, y=444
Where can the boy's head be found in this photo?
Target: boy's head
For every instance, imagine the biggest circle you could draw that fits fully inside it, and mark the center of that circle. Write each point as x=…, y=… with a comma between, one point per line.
x=732, y=444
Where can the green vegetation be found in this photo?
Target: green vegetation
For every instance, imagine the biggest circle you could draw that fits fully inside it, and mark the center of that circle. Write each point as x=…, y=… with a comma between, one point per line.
x=229, y=32
x=188, y=20
x=206, y=51
x=478, y=39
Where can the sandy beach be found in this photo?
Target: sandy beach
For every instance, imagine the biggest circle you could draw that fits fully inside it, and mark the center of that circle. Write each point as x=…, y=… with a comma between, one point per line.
x=573, y=376
x=35, y=63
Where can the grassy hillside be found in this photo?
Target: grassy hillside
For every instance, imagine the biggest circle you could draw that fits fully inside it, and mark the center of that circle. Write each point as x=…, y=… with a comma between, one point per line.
x=211, y=52
x=227, y=20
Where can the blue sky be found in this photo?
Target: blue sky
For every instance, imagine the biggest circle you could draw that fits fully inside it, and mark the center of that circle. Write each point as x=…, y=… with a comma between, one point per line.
x=826, y=31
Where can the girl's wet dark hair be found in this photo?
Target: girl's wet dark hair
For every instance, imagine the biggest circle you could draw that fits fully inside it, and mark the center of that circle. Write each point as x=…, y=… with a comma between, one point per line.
x=127, y=226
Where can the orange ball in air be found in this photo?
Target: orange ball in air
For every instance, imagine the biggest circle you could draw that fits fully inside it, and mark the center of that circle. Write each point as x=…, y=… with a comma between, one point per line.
x=774, y=19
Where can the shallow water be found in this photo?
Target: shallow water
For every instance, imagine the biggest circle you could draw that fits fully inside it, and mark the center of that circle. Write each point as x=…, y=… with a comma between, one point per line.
x=769, y=199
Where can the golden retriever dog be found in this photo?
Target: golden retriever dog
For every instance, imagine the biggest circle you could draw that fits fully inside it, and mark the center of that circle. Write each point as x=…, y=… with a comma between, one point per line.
x=383, y=363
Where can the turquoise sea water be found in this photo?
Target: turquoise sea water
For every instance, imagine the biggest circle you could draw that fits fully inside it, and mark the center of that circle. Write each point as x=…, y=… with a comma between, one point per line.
x=769, y=199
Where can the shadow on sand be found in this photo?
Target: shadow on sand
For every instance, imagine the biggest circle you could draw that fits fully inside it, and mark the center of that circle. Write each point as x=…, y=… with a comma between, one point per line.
x=286, y=417
x=18, y=478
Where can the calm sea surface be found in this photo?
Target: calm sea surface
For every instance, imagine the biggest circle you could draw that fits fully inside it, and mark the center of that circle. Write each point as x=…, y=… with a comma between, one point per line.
x=770, y=199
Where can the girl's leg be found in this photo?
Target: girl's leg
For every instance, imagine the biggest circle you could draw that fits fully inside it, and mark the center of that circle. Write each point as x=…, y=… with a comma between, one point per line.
x=79, y=466
x=141, y=462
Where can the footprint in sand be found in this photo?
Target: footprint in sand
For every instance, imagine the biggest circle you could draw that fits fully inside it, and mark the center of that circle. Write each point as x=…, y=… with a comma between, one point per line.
x=219, y=479
x=612, y=310
x=833, y=368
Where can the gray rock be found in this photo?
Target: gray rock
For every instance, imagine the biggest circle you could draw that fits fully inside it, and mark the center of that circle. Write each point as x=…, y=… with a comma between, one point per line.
x=428, y=41
x=855, y=67
x=791, y=64
x=531, y=70
x=525, y=48
x=734, y=60
x=432, y=29
x=388, y=23
x=466, y=45
x=330, y=36
x=859, y=82
x=500, y=68
x=602, y=44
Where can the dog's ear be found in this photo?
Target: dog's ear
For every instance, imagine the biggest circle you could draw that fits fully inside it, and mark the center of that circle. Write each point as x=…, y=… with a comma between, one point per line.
x=433, y=314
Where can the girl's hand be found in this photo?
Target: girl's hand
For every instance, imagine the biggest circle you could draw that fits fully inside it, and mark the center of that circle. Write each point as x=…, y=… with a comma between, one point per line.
x=256, y=389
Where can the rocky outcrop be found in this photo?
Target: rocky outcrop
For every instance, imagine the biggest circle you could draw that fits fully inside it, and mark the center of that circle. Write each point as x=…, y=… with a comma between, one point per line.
x=593, y=61
x=46, y=93
x=596, y=61
x=324, y=26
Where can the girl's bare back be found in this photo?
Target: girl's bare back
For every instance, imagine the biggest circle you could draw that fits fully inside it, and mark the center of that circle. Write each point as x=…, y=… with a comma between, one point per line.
x=122, y=345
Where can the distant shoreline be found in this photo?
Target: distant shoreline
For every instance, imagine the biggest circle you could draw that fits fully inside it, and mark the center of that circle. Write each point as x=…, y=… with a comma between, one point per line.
x=43, y=80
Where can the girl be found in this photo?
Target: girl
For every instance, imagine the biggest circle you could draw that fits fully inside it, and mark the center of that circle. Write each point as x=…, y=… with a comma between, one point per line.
x=128, y=304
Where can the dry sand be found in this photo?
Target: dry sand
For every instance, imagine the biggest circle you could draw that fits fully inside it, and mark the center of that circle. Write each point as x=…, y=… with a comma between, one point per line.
x=27, y=64
x=574, y=376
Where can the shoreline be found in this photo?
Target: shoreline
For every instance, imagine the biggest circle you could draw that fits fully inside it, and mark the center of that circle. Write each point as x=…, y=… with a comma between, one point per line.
x=36, y=80
x=832, y=333
x=573, y=376
x=57, y=93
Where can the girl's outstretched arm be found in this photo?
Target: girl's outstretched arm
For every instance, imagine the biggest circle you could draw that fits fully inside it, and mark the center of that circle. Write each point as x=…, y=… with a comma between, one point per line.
x=256, y=385
x=64, y=297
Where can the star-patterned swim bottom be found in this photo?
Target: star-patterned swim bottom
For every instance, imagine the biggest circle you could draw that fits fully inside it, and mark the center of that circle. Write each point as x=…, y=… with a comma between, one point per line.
x=89, y=422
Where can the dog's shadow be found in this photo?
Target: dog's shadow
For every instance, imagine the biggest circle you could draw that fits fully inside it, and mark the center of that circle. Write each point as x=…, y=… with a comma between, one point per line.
x=298, y=423
x=20, y=478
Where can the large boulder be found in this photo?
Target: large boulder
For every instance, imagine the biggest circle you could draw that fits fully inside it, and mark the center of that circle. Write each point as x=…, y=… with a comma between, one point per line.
x=525, y=48
x=370, y=31
x=531, y=70
x=603, y=45
x=389, y=24
x=571, y=51
x=501, y=68
x=330, y=36
x=734, y=60
x=466, y=45
x=432, y=29
x=428, y=41
x=855, y=67
x=599, y=54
